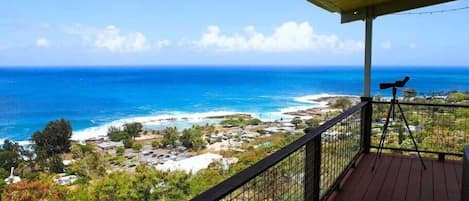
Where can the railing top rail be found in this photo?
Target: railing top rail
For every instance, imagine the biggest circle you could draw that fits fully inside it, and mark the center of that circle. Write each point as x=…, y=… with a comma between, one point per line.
x=229, y=185
x=425, y=104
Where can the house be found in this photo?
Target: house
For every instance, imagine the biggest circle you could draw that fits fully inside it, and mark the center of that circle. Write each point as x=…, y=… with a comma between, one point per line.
x=66, y=180
x=190, y=165
x=12, y=178
x=110, y=145
x=95, y=140
x=397, y=176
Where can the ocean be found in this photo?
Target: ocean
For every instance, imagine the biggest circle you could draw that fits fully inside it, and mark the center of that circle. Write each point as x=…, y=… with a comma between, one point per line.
x=93, y=98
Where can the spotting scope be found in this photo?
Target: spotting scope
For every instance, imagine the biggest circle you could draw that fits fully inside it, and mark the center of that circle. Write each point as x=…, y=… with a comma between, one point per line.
x=399, y=83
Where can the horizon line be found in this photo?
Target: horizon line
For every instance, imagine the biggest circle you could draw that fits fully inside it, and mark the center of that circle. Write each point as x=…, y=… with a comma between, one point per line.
x=227, y=66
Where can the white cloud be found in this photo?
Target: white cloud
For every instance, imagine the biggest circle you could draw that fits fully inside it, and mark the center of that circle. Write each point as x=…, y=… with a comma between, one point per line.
x=288, y=37
x=112, y=39
x=386, y=45
x=42, y=42
x=412, y=45
x=163, y=43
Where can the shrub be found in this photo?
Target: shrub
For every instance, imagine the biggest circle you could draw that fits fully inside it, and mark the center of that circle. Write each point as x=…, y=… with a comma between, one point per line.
x=137, y=146
x=120, y=150
x=155, y=144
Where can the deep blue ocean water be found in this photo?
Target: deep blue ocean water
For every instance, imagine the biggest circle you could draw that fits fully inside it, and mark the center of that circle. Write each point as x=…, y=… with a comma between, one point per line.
x=92, y=97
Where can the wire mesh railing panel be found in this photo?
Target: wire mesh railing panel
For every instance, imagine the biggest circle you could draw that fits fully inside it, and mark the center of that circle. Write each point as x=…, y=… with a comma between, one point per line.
x=306, y=169
x=437, y=128
x=283, y=181
x=340, y=145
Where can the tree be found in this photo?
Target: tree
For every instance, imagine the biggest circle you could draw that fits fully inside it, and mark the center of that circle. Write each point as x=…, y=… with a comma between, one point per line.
x=313, y=122
x=89, y=164
x=55, y=164
x=455, y=97
x=10, y=155
x=137, y=146
x=53, y=140
x=114, y=187
x=192, y=138
x=26, y=190
x=128, y=142
x=116, y=134
x=155, y=144
x=170, y=136
x=296, y=121
x=254, y=121
x=9, y=159
x=120, y=151
x=409, y=93
x=342, y=102
x=133, y=129
x=146, y=179
x=178, y=186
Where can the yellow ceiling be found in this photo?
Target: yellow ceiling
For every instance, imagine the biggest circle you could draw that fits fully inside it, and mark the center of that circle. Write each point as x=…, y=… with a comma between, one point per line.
x=345, y=5
x=352, y=10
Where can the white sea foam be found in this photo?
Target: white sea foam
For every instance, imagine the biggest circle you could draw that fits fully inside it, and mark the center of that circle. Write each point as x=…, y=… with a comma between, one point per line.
x=178, y=118
x=152, y=120
x=311, y=98
x=21, y=143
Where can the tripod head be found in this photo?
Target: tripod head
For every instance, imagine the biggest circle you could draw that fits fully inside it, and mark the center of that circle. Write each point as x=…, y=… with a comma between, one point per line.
x=399, y=83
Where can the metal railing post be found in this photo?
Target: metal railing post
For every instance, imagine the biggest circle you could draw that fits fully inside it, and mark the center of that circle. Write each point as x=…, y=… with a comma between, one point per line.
x=366, y=117
x=313, y=170
x=465, y=176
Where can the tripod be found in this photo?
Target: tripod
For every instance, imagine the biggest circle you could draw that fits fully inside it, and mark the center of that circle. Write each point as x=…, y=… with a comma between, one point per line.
x=391, y=110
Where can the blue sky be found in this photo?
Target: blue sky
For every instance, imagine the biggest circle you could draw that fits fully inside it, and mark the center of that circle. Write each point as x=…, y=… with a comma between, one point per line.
x=176, y=32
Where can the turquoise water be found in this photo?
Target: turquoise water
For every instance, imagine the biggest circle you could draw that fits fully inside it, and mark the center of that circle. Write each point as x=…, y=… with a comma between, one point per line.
x=92, y=98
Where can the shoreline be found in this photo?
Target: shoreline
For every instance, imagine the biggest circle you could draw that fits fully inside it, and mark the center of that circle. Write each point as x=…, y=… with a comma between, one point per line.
x=315, y=101
x=311, y=104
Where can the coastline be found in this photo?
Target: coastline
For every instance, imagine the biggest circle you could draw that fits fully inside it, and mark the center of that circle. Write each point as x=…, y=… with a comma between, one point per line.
x=311, y=105
x=316, y=103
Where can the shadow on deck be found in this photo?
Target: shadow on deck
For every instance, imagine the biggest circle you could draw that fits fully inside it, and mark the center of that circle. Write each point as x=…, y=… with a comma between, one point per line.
x=400, y=178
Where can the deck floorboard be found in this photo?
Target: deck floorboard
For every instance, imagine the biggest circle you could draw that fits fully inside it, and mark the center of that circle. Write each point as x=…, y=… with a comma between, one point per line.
x=402, y=178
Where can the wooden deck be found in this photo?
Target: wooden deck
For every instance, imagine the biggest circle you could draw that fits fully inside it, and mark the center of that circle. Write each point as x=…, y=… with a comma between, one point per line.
x=402, y=178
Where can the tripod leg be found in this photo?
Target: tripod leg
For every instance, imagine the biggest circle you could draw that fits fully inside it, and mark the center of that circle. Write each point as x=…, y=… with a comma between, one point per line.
x=411, y=136
x=383, y=136
x=385, y=130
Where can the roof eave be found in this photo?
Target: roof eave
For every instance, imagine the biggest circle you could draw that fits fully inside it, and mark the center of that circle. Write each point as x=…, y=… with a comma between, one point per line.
x=376, y=10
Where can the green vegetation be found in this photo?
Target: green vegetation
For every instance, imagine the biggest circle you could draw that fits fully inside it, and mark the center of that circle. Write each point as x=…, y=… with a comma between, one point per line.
x=155, y=144
x=120, y=151
x=116, y=134
x=126, y=135
x=240, y=121
x=10, y=156
x=170, y=137
x=436, y=129
x=192, y=138
x=137, y=147
x=51, y=142
x=133, y=129
x=343, y=103
x=440, y=129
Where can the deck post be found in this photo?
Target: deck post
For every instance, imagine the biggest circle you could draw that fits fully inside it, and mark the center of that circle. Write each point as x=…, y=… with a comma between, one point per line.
x=367, y=110
x=313, y=170
x=465, y=176
x=366, y=117
x=368, y=46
